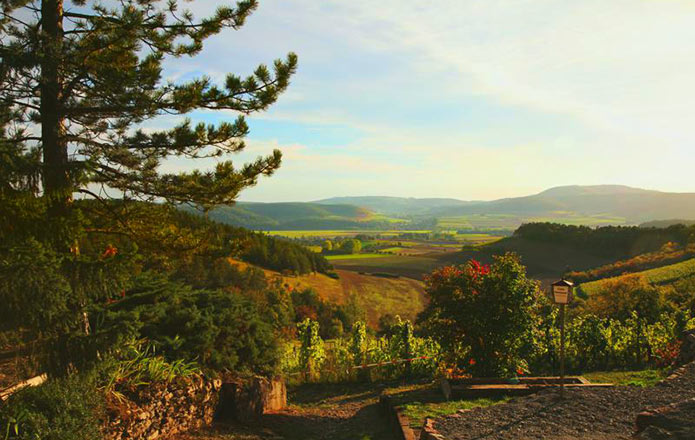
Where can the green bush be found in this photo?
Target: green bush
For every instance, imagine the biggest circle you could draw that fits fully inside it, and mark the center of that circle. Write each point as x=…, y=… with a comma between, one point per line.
x=483, y=315
x=62, y=409
x=218, y=330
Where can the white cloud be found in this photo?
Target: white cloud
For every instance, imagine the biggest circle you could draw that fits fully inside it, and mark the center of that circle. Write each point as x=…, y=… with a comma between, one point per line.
x=620, y=71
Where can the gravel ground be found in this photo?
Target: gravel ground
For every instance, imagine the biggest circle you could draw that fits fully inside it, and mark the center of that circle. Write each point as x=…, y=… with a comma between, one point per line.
x=594, y=414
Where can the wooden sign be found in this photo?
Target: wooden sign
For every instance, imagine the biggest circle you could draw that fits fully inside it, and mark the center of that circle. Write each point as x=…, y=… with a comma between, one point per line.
x=562, y=292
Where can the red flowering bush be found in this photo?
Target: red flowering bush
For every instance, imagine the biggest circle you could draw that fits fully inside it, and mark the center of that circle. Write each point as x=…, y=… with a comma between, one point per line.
x=482, y=314
x=667, y=356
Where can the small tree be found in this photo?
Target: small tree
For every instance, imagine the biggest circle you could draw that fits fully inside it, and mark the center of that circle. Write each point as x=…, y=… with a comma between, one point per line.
x=327, y=246
x=351, y=246
x=483, y=314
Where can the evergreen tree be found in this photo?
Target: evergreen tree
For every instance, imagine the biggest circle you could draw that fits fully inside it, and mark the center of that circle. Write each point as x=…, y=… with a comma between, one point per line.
x=77, y=82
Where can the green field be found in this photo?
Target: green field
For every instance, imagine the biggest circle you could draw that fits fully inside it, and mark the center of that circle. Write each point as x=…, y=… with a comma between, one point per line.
x=392, y=250
x=659, y=275
x=507, y=222
x=318, y=233
x=355, y=256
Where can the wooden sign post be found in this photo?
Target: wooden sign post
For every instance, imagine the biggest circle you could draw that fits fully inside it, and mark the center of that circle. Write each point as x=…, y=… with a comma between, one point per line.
x=562, y=295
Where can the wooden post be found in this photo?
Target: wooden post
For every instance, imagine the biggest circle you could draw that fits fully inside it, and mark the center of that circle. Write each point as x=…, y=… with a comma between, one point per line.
x=562, y=351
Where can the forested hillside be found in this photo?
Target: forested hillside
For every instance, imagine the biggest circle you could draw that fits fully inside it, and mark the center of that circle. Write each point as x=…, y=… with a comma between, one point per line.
x=289, y=216
x=550, y=250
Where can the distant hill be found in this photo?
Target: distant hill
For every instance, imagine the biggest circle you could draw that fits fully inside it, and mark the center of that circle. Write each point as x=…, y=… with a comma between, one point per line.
x=297, y=215
x=397, y=205
x=579, y=205
x=632, y=204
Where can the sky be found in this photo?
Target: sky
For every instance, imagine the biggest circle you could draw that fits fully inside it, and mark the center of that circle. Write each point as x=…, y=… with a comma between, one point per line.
x=471, y=99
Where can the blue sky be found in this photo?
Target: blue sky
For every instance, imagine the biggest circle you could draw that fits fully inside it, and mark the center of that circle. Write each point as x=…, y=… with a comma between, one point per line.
x=473, y=99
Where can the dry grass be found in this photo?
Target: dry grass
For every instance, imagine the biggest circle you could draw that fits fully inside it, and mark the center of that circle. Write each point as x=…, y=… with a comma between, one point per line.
x=376, y=295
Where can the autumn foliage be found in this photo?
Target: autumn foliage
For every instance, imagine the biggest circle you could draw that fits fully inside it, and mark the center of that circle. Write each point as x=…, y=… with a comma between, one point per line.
x=483, y=314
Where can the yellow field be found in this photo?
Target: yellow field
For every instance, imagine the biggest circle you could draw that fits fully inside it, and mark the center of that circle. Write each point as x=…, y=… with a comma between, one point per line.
x=376, y=295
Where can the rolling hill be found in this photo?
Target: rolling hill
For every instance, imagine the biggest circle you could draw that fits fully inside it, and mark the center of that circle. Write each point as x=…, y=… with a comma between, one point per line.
x=659, y=275
x=611, y=201
x=297, y=215
x=397, y=206
x=376, y=295
x=579, y=205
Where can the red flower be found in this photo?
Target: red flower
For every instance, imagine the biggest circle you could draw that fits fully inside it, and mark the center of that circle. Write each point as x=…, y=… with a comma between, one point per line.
x=520, y=371
x=471, y=362
x=110, y=251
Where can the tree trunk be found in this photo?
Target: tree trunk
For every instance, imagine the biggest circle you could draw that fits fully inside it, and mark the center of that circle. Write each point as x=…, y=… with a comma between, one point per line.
x=56, y=180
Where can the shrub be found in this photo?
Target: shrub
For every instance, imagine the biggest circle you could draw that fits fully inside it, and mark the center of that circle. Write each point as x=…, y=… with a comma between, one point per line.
x=218, y=330
x=618, y=298
x=483, y=314
x=62, y=409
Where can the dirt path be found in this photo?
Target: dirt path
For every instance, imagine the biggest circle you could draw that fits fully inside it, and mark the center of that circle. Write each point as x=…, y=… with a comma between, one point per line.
x=596, y=414
x=316, y=413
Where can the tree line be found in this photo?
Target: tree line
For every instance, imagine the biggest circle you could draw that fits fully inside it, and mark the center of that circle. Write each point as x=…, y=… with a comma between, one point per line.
x=608, y=241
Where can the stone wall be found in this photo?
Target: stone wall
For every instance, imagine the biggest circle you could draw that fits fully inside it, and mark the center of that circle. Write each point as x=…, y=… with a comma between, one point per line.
x=245, y=401
x=161, y=410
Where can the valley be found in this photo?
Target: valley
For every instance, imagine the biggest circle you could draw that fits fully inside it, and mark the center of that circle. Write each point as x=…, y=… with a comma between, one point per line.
x=331, y=220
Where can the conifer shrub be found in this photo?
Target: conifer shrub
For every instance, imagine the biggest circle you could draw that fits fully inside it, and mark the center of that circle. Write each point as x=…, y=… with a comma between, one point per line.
x=219, y=330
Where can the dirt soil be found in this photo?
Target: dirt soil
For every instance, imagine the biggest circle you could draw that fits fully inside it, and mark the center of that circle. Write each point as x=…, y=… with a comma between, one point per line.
x=340, y=412
x=594, y=414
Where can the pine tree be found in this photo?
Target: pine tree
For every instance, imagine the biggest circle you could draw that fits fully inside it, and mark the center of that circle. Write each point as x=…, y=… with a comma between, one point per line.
x=78, y=81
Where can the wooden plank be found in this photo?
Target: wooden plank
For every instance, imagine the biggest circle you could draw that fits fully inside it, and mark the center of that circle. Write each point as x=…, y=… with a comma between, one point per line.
x=34, y=381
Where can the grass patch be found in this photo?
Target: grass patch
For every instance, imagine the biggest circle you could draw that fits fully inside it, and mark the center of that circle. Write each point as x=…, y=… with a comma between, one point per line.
x=426, y=400
x=417, y=411
x=642, y=378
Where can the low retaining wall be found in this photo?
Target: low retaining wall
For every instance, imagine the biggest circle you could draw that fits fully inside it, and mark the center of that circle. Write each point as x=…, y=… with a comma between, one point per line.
x=162, y=410
x=398, y=421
